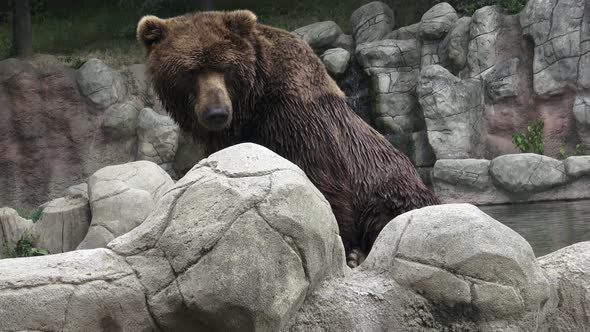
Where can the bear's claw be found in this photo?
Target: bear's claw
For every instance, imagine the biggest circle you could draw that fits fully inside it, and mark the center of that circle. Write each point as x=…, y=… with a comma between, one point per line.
x=355, y=258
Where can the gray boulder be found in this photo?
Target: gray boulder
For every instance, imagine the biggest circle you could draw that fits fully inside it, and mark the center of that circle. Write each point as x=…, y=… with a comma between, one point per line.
x=389, y=54
x=437, y=21
x=453, y=113
x=558, y=32
x=527, y=172
x=86, y=290
x=336, y=60
x=157, y=139
x=120, y=120
x=371, y=22
x=568, y=271
x=320, y=35
x=210, y=231
x=63, y=224
x=577, y=166
x=440, y=268
x=100, y=83
x=457, y=256
x=483, y=34
x=121, y=197
x=455, y=46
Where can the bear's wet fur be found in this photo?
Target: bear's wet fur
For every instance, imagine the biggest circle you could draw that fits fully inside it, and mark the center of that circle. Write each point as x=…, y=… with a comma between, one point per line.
x=271, y=89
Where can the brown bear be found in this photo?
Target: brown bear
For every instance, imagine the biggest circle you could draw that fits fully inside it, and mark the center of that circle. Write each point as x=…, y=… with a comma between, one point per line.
x=228, y=79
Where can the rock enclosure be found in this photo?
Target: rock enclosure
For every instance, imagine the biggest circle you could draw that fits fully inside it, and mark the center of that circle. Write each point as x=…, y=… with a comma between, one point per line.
x=195, y=262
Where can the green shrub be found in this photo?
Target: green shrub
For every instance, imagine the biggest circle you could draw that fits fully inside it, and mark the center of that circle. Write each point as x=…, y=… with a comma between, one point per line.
x=24, y=248
x=531, y=140
x=579, y=150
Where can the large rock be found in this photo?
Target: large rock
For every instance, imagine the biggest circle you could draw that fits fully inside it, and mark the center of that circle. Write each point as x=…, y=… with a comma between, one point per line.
x=393, y=68
x=157, y=139
x=207, y=235
x=437, y=21
x=63, y=224
x=336, y=60
x=320, y=35
x=568, y=271
x=457, y=256
x=87, y=290
x=389, y=54
x=12, y=227
x=120, y=120
x=559, y=30
x=453, y=113
x=483, y=34
x=121, y=197
x=522, y=178
x=527, y=172
x=440, y=268
x=577, y=166
x=455, y=46
x=100, y=83
x=371, y=22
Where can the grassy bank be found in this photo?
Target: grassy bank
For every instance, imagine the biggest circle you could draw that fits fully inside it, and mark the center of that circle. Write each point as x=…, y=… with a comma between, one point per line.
x=105, y=29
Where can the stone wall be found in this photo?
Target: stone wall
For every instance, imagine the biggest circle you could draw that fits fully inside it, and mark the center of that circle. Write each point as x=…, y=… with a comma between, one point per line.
x=512, y=178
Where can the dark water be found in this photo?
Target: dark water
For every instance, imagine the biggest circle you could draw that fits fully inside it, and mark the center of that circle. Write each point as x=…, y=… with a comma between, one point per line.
x=548, y=226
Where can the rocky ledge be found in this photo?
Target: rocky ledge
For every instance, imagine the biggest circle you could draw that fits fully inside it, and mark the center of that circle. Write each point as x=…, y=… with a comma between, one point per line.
x=244, y=241
x=525, y=177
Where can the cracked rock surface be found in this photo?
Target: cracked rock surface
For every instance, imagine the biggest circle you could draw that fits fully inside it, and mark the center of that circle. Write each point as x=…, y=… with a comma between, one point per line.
x=512, y=178
x=457, y=256
x=121, y=197
x=453, y=113
x=568, y=271
x=371, y=22
x=100, y=83
x=245, y=242
x=527, y=172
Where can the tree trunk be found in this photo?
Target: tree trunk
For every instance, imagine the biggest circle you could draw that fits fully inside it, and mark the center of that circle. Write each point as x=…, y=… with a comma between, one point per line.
x=21, y=29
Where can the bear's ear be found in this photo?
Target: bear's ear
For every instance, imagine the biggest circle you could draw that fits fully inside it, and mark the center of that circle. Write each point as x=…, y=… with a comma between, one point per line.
x=150, y=30
x=241, y=22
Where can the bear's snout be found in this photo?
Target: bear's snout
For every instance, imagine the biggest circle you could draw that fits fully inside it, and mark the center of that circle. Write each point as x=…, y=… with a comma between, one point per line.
x=216, y=117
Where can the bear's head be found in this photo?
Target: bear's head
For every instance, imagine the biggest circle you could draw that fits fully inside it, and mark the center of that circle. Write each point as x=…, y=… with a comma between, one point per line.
x=202, y=65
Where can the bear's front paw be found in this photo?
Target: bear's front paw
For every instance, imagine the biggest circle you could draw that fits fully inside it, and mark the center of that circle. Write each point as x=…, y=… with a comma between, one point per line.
x=355, y=258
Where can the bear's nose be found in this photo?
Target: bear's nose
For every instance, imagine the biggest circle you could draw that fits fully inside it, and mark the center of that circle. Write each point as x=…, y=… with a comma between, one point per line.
x=216, y=116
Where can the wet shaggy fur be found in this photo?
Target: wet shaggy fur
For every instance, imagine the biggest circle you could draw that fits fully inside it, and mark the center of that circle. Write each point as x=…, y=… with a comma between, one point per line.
x=283, y=98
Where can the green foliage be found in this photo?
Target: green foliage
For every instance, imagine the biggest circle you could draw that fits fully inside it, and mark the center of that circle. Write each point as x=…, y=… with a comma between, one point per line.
x=33, y=215
x=468, y=7
x=24, y=248
x=7, y=251
x=579, y=150
x=531, y=140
